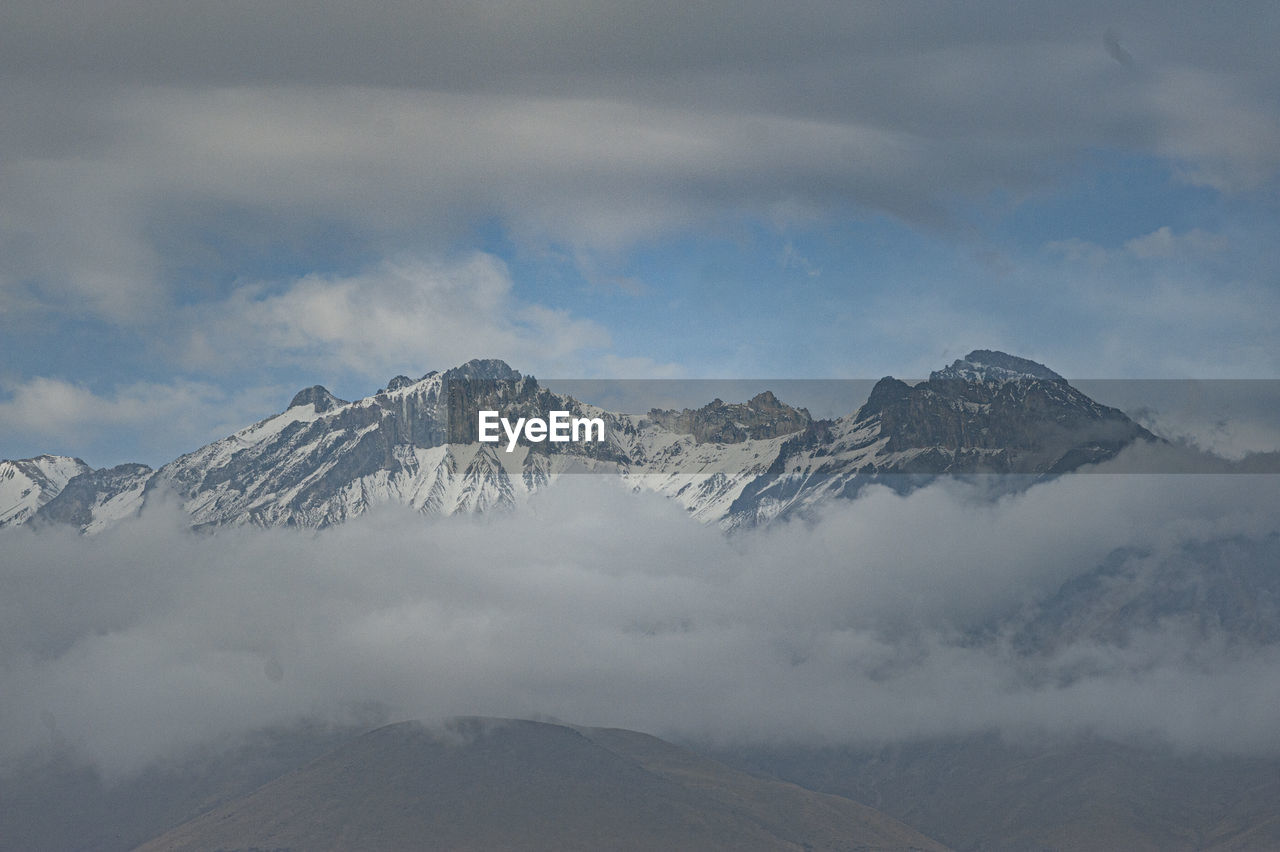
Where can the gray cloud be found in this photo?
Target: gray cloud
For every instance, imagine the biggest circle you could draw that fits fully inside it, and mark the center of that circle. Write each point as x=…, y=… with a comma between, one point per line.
x=1111, y=41
x=148, y=639
x=146, y=129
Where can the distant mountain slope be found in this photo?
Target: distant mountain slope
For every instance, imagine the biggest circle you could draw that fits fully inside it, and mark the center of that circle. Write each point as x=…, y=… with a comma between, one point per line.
x=414, y=443
x=990, y=413
x=28, y=484
x=1077, y=795
x=486, y=784
x=95, y=499
x=1224, y=589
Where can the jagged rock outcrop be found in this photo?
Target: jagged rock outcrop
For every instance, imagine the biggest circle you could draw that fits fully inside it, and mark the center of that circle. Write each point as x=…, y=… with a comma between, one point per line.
x=988, y=413
x=763, y=416
x=318, y=397
x=996, y=413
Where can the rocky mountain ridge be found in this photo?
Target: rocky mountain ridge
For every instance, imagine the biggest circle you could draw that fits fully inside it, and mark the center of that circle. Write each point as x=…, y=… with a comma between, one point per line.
x=762, y=416
x=324, y=460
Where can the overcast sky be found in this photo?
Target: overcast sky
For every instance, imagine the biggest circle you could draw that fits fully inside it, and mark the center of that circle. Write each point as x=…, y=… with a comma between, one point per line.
x=205, y=207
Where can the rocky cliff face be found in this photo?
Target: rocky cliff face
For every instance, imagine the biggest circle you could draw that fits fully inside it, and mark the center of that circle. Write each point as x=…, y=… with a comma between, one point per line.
x=414, y=442
x=995, y=413
x=94, y=499
x=763, y=416
x=988, y=413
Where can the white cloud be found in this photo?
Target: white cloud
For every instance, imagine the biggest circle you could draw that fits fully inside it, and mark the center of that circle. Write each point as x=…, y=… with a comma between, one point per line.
x=1189, y=304
x=1163, y=243
x=164, y=418
x=395, y=317
x=605, y=607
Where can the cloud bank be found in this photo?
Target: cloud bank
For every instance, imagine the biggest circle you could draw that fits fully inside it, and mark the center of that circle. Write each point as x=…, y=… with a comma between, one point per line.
x=155, y=140
x=887, y=618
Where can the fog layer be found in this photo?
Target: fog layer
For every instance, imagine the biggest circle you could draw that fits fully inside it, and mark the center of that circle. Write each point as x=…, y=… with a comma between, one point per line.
x=886, y=617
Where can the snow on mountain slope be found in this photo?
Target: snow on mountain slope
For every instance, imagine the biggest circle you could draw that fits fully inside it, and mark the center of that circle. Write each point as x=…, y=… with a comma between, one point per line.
x=414, y=443
x=990, y=413
x=705, y=478
x=96, y=499
x=323, y=461
x=28, y=484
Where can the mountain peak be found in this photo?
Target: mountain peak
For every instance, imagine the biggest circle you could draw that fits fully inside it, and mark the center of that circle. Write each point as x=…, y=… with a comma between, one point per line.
x=764, y=399
x=988, y=365
x=317, y=395
x=484, y=368
x=886, y=392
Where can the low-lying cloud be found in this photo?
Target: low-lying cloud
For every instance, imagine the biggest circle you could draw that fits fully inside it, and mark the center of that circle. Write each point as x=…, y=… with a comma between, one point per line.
x=886, y=618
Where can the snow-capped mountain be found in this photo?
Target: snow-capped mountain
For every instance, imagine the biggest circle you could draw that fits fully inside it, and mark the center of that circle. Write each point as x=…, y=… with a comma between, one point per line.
x=324, y=460
x=28, y=484
x=989, y=413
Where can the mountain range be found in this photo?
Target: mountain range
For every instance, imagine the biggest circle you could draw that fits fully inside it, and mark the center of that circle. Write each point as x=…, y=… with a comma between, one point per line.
x=324, y=460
